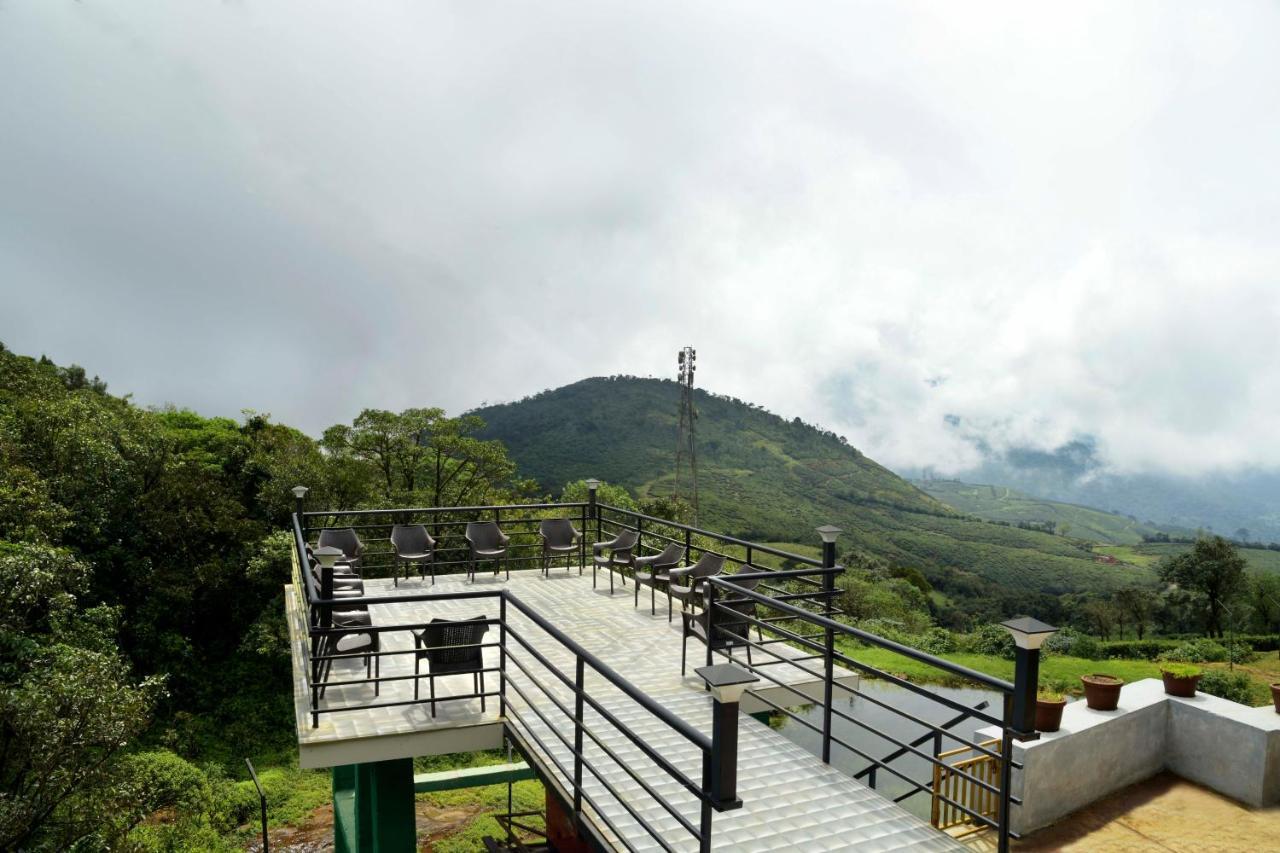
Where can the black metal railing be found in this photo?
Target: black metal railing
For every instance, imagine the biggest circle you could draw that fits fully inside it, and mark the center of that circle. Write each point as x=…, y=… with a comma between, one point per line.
x=729, y=604
x=557, y=712
x=557, y=699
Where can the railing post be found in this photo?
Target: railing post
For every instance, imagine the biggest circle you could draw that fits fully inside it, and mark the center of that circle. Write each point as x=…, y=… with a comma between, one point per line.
x=502, y=655
x=593, y=508
x=1006, y=781
x=727, y=682
x=829, y=535
x=709, y=610
x=582, y=541
x=577, y=740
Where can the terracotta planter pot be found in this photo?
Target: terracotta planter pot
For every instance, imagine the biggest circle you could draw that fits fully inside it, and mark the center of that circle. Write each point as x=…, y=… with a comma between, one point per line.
x=1275, y=696
x=1175, y=686
x=1102, y=692
x=1049, y=715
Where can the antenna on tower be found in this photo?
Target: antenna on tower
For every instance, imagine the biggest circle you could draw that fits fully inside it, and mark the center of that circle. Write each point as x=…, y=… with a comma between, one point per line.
x=686, y=431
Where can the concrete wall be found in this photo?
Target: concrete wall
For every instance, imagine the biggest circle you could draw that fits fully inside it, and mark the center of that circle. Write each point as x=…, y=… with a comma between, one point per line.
x=1225, y=746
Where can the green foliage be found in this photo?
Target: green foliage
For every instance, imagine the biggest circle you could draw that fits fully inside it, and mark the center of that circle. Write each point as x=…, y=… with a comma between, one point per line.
x=866, y=597
x=1180, y=670
x=606, y=493
x=1197, y=651
x=1235, y=686
x=1069, y=641
x=989, y=640
x=1212, y=570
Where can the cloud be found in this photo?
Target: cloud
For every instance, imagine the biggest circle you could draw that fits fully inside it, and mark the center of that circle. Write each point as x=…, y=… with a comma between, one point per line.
x=1047, y=224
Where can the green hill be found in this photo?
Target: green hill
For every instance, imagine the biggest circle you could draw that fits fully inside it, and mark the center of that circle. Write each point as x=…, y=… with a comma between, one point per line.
x=767, y=478
x=1000, y=503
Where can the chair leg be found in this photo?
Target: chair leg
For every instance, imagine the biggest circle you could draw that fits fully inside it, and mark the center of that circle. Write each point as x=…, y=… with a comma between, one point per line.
x=431, y=682
x=684, y=652
x=481, y=691
x=611, y=580
x=417, y=678
x=636, y=597
x=377, y=673
x=653, y=597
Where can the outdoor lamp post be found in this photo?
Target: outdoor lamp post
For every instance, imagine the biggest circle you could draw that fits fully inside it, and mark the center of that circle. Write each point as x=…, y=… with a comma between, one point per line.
x=727, y=683
x=1029, y=635
x=829, y=534
x=593, y=486
x=299, y=492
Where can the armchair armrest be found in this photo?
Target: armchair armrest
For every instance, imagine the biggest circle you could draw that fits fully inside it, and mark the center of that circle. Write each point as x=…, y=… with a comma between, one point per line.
x=677, y=575
x=503, y=538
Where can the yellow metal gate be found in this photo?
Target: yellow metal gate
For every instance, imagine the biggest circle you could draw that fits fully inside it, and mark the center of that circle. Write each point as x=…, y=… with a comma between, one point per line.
x=955, y=784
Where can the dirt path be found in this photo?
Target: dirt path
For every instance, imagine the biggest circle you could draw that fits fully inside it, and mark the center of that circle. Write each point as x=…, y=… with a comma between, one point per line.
x=315, y=834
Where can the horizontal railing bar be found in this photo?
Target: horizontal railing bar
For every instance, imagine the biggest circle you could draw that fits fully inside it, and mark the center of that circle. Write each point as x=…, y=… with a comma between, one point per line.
x=655, y=756
x=720, y=537
x=438, y=509
x=948, y=725
x=548, y=756
x=609, y=752
x=587, y=764
x=866, y=637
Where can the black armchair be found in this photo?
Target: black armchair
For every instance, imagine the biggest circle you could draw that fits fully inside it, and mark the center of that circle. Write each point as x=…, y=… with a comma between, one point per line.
x=620, y=556
x=487, y=542
x=683, y=584
x=731, y=621
x=345, y=540
x=559, y=536
x=653, y=570
x=450, y=648
x=413, y=544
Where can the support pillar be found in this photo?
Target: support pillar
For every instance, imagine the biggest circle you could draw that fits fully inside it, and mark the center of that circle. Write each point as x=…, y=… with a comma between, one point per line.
x=373, y=807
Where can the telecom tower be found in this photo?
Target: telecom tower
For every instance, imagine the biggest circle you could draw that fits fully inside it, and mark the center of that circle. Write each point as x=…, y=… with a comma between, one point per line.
x=685, y=435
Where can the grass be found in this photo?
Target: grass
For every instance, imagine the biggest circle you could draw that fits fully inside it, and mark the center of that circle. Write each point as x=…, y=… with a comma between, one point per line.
x=1148, y=554
x=1058, y=673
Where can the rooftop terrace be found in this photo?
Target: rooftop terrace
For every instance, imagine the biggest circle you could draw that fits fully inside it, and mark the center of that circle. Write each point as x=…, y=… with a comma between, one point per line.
x=585, y=681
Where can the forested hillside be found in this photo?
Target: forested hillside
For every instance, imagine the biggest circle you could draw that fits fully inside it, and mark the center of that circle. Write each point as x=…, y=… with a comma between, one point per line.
x=764, y=477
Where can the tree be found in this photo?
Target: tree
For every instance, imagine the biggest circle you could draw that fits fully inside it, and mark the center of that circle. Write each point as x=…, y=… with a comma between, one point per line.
x=422, y=456
x=1213, y=570
x=1102, y=616
x=1136, y=604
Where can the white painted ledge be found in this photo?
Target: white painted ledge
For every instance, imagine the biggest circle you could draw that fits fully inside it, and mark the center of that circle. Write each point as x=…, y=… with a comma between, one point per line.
x=1223, y=745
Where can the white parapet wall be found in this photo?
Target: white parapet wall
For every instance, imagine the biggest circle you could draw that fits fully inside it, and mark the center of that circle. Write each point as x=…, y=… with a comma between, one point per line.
x=1223, y=745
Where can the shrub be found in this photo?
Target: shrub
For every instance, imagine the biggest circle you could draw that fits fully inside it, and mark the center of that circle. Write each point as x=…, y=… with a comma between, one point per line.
x=1074, y=643
x=1200, y=650
x=989, y=640
x=1234, y=686
x=1136, y=649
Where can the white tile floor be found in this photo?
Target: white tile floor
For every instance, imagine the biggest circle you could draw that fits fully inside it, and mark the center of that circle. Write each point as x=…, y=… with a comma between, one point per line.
x=791, y=799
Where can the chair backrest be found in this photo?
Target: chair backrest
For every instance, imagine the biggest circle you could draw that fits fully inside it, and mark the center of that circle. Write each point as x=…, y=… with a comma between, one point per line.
x=707, y=565
x=342, y=538
x=484, y=534
x=625, y=541
x=411, y=539
x=731, y=617
x=670, y=556
x=453, y=643
x=558, y=531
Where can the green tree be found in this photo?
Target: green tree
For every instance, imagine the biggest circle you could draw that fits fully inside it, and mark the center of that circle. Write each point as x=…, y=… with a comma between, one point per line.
x=1136, y=604
x=1213, y=570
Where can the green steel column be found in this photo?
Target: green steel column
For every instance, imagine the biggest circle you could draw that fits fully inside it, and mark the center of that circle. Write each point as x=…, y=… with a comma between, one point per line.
x=373, y=807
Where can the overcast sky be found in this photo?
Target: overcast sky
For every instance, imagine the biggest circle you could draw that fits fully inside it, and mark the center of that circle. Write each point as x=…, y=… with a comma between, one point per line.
x=1045, y=222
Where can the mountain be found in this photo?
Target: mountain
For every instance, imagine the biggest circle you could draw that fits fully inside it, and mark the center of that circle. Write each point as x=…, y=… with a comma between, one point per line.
x=770, y=479
x=1001, y=503
x=1242, y=505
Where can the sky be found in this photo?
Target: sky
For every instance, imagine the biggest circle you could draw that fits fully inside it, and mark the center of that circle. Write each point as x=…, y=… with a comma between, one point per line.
x=930, y=227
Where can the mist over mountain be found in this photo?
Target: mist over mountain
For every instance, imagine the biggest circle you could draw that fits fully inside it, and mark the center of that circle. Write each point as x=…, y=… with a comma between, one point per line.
x=1243, y=505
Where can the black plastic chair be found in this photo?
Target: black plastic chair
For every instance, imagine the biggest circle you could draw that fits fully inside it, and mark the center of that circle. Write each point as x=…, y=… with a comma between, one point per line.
x=559, y=537
x=620, y=557
x=683, y=584
x=732, y=623
x=487, y=542
x=413, y=544
x=345, y=540
x=653, y=570
x=450, y=648
x=346, y=637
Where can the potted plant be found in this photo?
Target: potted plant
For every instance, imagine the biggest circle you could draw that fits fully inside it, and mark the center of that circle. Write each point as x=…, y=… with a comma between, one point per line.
x=1049, y=711
x=1180, y=679
x=1275, y=695
x=1102, y=692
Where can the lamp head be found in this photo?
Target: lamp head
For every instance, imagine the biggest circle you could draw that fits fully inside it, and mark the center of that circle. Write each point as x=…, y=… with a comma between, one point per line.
x=1027, y=632
x=829, y=532
x=593, y=483
x=727, y=681
x=327, y=556
x=300, y=492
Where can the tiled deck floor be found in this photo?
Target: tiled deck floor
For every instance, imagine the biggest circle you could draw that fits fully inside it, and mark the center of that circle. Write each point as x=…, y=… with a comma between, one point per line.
x=791, y=799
